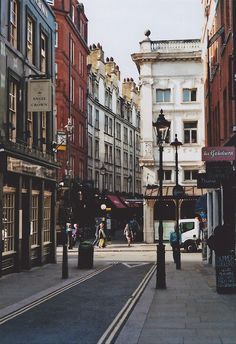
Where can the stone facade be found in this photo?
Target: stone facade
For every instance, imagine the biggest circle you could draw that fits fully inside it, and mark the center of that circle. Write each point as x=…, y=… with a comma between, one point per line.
x=171, y=76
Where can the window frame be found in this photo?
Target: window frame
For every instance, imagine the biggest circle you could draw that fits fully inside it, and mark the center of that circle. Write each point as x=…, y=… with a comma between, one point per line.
x=190, y=95
x=163, y=90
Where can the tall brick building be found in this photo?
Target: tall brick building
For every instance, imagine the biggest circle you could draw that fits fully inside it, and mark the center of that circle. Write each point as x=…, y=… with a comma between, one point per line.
x=71, y=86
x=220, y=93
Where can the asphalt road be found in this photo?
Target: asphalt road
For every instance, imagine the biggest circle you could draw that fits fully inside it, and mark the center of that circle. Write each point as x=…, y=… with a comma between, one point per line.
x=79, y=315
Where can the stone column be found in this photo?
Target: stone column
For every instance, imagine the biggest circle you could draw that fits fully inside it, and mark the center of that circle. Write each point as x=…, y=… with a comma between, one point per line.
x=148, y=228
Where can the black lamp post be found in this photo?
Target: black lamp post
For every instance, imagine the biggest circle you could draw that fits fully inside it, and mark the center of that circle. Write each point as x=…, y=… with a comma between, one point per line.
x=177, y=193
x=103, y=172
x=161, y=127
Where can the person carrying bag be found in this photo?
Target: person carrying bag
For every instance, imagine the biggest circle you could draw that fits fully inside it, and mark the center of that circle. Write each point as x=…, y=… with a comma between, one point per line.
x=102, y=236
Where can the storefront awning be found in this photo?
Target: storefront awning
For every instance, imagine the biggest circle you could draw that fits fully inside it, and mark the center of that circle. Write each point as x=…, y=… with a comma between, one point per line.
x=116, y=201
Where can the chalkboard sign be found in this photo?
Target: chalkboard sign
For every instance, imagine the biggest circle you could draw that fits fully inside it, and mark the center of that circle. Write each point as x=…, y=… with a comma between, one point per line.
x=225, y=274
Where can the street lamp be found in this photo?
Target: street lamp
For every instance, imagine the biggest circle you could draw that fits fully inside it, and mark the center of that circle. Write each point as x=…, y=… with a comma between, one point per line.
x=177, y=193
x=103, y=172
x=161, y=127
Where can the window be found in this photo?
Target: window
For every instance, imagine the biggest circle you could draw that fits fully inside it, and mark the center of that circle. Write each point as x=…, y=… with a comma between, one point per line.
x=72, y=89
x=13, y=30
x=118, y=183
x=106, y=125
x=81, y=169
x=30, y=39
x=190, y=174
x=73, y=13
x=131, y=138
x=72, y=51
x=110, y=158
x=81, y=98
x=8, y=233
x=167, y=174
x=90, y=114
x=190, y=132
x=137, y=142
x=118, y=157
x=43, y=53
x=110, y=182
x=125, y=162
x=189, y=95
x=90, y=146
x=106, y=153
x=13, y=109
x=110, y=126
x=96, y=149
x=34, y=219
x=131, y=161
x=126, y=185
x=81, y=135
x=97, y=119
x=97, y=176
x=118, y=131
x=47, y=219
x=56, y=34
x=138, y=121
x=163, y=95
x=125, y=135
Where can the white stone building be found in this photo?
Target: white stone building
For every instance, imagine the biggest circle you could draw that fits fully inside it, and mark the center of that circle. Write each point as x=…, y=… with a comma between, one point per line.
x=171, y=77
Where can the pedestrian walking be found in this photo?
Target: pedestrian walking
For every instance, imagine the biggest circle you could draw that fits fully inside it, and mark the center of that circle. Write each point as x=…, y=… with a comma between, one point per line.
x=75, y=233
x=128, y=233
x=174, y=243
x=102, y=235
x=134, y=225
x=69, y=235
x=96, y=240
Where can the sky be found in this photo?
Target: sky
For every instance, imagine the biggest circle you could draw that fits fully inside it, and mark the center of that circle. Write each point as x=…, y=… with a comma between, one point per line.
x=119, y=25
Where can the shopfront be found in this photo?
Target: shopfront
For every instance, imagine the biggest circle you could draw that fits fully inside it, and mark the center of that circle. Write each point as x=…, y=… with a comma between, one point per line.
x=28, y=191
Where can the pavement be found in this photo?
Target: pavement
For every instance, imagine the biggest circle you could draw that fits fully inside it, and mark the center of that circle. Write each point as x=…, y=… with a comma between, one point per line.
x=188, y=311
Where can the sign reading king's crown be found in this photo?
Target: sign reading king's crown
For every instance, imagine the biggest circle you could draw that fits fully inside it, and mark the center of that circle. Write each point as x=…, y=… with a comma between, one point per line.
x=39, y=95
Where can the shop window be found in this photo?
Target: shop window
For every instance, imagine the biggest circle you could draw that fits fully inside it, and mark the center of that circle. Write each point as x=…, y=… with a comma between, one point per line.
x=34, y=219
x=47, y=219
x=8, y=233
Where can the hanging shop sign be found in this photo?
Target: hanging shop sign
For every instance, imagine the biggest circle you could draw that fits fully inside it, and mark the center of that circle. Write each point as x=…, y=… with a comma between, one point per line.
x=208, y=181
x=218, y=154
x=61, y=141
x=39, y=95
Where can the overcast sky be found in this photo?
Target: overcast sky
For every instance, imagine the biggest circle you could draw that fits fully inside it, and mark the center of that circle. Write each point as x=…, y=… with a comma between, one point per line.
x=119, y=25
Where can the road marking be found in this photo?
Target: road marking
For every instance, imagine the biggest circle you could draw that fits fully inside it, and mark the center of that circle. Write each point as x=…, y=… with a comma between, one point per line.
x=131, y=265
x=49, y=296
x=119, y=320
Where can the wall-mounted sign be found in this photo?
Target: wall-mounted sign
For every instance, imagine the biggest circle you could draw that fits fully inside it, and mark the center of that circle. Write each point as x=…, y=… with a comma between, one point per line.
x=207, y=181
x=218, y=154
x=39, y=95
x=25, y=167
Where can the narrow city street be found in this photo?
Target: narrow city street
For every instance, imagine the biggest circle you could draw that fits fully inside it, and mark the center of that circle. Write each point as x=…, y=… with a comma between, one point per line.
x=83, y=312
